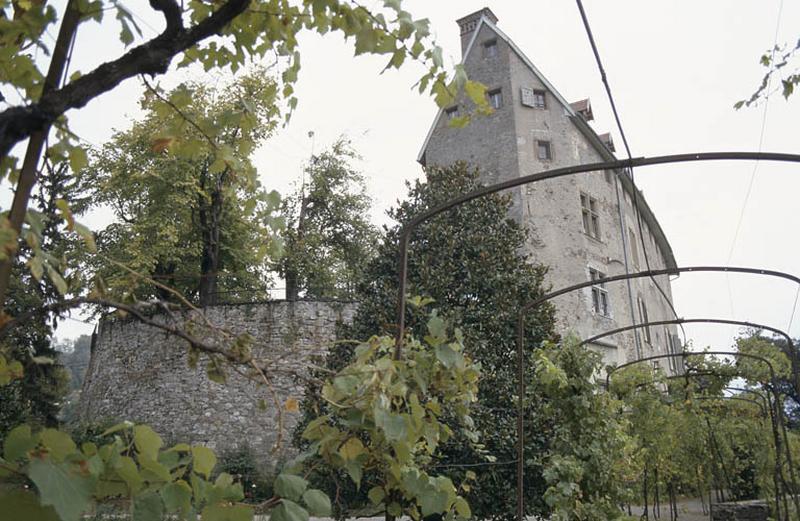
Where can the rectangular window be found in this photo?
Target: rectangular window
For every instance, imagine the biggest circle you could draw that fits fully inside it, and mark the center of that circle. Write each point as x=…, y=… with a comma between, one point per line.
x=539, y=99
x=645, y=320
x=490, y=49
x=544, y=151
x=600, y=303
x=634, y=246
x=671, y=350
x=590, y=215
x=496, y=98
x=451, y=112
x=609, y=176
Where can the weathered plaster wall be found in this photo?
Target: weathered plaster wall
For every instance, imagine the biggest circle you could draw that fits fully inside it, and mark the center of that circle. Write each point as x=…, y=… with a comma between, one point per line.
x=503, y=146
x=141, y=374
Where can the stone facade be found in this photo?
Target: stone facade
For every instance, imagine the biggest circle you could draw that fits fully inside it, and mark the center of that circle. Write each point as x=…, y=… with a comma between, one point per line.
x=141, y=374
x=506, y=145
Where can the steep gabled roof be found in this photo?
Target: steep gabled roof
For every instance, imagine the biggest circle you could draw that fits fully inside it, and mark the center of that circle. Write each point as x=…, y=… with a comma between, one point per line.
x=588, y=132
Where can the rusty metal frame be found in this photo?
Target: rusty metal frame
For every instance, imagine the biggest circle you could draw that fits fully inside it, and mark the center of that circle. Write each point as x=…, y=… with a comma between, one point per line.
x=619, y=165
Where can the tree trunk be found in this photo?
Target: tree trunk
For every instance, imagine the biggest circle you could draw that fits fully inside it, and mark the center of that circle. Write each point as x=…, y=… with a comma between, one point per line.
x=291, y=273
x=210, y=214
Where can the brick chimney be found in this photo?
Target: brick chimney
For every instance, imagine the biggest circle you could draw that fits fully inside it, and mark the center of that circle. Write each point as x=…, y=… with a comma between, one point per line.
x=469, y=23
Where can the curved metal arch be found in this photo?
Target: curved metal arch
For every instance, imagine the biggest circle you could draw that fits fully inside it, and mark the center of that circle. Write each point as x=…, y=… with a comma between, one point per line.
x=408, y=228
x=742, y=323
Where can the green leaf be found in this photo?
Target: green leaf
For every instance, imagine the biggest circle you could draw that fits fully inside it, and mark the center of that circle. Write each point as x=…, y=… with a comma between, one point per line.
x=18, y=442
x=147, y=507
x=58, y=443
x=67, y=491
x=448, y=356
x=147, y=441
x=126, y=469
x=376, y=495
x=437, y=327
x=24, y=505
x=288, y=511
x=318, y=503
x=228, y=513
x=204, y=460
x=462, y=507
x=352, y=449
x=177, y=496
x=77, y=159
x=290, y=486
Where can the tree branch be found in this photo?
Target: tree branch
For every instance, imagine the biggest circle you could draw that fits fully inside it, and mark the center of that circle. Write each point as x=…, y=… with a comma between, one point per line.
x=153, y=57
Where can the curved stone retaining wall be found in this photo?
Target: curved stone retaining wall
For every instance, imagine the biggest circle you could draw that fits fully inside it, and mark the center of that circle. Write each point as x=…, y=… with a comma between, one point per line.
x=141, y=374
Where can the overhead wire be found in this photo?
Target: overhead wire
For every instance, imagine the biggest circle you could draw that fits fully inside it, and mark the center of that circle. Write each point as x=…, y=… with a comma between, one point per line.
x=751, y=182
x=635, y=190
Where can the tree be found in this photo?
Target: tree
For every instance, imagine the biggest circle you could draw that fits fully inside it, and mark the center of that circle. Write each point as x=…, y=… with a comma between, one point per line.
x=192, y=218
x=224, y=35
x=328, y=239
x=469, y=261
x=37, y=396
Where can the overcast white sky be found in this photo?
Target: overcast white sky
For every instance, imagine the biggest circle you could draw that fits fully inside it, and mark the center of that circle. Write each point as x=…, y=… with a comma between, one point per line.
x=676, y=69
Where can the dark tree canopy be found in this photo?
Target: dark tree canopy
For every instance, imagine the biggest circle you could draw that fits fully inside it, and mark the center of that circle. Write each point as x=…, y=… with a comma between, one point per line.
x=469, y=261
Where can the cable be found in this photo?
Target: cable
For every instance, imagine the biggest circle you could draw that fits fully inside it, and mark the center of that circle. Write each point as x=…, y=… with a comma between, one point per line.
x=755, y=165
x=604, y=79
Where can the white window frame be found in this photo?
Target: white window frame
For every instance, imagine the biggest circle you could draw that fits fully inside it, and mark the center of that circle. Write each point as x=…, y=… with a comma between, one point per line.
x=601, y=303
x=495, y=98
x=590, y=216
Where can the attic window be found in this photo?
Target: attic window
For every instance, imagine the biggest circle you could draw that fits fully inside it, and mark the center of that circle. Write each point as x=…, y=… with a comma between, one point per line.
x=533, y=98
x=539, y=100
x=490, y=49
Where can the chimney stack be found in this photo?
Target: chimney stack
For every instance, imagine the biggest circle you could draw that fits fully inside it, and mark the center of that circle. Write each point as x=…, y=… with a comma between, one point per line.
x=469, y=23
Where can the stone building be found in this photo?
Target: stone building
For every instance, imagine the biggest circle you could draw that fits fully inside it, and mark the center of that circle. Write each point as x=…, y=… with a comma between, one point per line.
x=582, y=227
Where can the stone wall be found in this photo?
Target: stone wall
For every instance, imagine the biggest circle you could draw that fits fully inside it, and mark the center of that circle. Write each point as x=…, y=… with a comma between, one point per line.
x=141, y=374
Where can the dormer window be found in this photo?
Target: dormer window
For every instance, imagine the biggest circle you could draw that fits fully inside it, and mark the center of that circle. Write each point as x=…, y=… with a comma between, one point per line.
x=490, y=49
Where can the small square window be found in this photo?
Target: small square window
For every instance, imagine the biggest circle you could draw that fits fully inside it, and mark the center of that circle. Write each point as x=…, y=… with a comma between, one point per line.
x=451, y=112
x=590, y=216
x=490, y=49
x=539, y=99
x=544, y=151
x=495, y=98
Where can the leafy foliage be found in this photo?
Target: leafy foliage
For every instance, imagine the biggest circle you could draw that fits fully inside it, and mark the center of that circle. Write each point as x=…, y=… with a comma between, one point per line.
x=781, y=62
x=132, y=468
x=586, y=462
x=386, y=423
x=329, y=239
x=192, y=218
x=467, y=261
